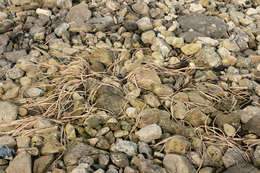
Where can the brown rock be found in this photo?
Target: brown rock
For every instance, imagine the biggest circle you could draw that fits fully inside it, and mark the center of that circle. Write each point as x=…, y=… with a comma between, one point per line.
x=42, y=164
x=253, y=125
x=21, y=163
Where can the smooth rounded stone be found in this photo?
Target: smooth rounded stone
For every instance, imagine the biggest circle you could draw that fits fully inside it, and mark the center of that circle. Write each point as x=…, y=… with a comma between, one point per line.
x=23, y=141
x=131, y=112
x=144, y=148
x=207, y=170
x=119, y=159
x=175, y=163
x=230, y=45
x=253, y=125
x=81, y=168
x=45, y=12
x=61, y=29
x=121, y=133
x=196, y=8
x=21, y=163
x=179, y=110
x=209, y=56
x=8, y=141
x=102, y=55
x=146, y=78
x=70, y=131
x=161, y=46
x=149, y=133
x=148, y=37
x=14, y=73
x=213, y=156
x=190, y=49
x=249, y=112
x=232, y=157
x=112, y=170
x=229, y=130
x=51, y=146
x=140, y=8
x=210, y=26
x=103, y=159
x=195, y=158
x=99, y=171
x=78, y=15
x=162, y=90
x=11, y=93
x=8, y=112
x=25, y=81
x=144, y=24
x=152, y=100
x=33, y=92
x=208, y=41
x=177, y=144
x=128, y=147
x=197, y=118
x=103, y=143
x=42, y=163
x=242, y=168
x=227, y=59
x=176, y=42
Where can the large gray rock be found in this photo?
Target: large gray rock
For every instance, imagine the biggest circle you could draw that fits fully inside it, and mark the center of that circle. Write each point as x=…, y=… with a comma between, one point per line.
x=175, y=163
x=206, y=25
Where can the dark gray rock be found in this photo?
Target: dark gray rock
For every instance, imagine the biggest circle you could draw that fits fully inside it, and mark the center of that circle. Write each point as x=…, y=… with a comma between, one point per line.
x=207, y=25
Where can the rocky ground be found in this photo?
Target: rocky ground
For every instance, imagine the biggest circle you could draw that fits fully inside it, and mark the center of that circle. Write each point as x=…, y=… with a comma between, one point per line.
x=130, y=86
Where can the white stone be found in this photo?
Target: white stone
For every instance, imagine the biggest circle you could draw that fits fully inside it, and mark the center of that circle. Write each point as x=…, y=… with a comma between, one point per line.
x=196, y=8
x=229, y=130
x=251, y=11
x=144, y=24
x=149, y=133
x=208, y=40
x=43, y=12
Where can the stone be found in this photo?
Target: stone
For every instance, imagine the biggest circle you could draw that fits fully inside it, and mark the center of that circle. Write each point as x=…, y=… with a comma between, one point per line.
x=227, y=59
x=196, y=8
x=162, y=90
x=21, y=163
x=229, y=130
x=41, y=165
x=33, y=92
x=161, y=46
x=195, y=158
x=144, y=24
x=230, y=45
x=210, y=26
x=213, y=156
x=70, y=131
x=242, y=168
x=209, y=41
x=119, y=159
x=45, y=12
x=15, y=55
x=8, y=141
x=3, y=15
x=100, y=23
x=51, y=146
x=23, y=141
x=249, y=112
x=79, y=150
x=232, y=157
x=20, y=2
x=176, y=42
x=177, y=144
x=190, y=49
x=103, y=56
x=146, y=165
x=127, y=147
x=128, y=169
x=149, y=133
x=144, y=148
x=140, y=8
x=6, y=25
x=256, y=158
x=148, y=37
x=207, y=170
x=179, y=110
x=253, y=125
x=152, y=100
x=110, y=98
x=62, y=28
x=146, y=78
x=131, y=112
x=14, y=73
x=64, y=4
x=8, y=112
x=209, y=57
x=78, y=15
x=175, y=163
x=232, y=119
x=197, y=118
x=81, y=168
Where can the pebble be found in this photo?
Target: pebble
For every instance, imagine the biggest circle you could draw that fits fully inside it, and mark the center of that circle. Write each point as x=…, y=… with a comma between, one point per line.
x=175, y=41
x=177, y=144
x=119, y=159
x=149, y=133
x=8, y=141
x=144, y=24
x=45, y=12
x=128, y=147
x=8, y=112
x=33, y=92
x=190, y=49
x=148, y=37
x=21, y=163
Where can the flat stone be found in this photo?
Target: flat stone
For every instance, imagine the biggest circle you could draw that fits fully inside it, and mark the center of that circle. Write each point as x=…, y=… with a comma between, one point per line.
x=161, y=46
x=190, y=49
x=128, y=147
x=149, y=133
x=42, y=164
x=210, y=26
x=144, y=24
x=148, y=37
x=176, y=42
x=177, y=144
x=209, y=56
x=227, y=59
x=119, y=159
x=8, y=112
x=21, y=163
x=175, y=163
